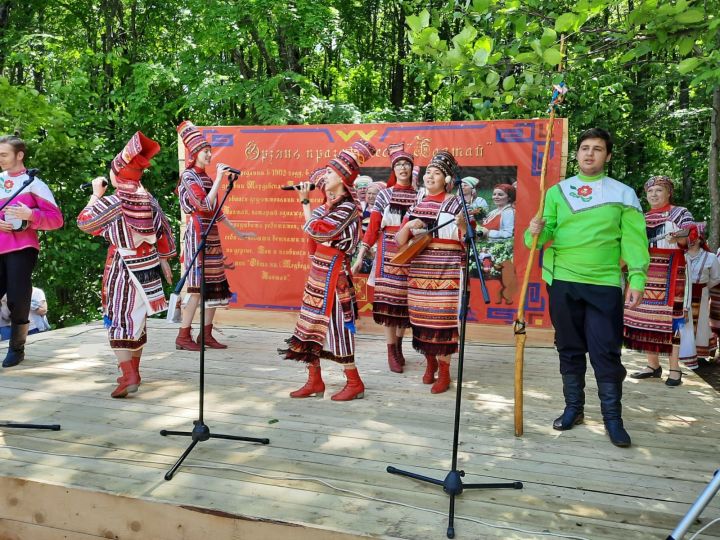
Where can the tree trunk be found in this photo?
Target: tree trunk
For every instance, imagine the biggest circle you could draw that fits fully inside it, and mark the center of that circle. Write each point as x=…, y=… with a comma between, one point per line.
x=239, y=59
x=397, y=91
x=713, y=170
x=4, y=22
x=686, y=171
x=269, y=61
x=38, y=74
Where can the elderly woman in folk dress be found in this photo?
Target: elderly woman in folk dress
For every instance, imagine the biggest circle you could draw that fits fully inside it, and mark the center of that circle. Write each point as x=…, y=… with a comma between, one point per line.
x=653, y=327
x=434, y=276
x=326, y=325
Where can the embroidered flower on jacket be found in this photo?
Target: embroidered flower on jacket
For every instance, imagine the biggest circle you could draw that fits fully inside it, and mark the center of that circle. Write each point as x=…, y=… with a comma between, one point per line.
x=584, y=193
x=9, y=184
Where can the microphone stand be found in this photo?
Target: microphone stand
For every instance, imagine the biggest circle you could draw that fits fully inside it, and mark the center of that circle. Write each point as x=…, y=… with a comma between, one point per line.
x=453, y=484
x=54, y=427
x=201, y=432
x=696, y=509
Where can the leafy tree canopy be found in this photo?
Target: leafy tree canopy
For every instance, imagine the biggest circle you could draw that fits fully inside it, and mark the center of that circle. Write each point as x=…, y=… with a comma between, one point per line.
x=77, y=78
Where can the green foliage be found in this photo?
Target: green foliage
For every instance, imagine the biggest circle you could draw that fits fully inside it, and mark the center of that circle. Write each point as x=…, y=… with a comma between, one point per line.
x=78, y=78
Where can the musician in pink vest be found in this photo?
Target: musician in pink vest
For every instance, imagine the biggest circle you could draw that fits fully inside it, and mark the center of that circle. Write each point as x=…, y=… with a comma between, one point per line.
x=33, y=210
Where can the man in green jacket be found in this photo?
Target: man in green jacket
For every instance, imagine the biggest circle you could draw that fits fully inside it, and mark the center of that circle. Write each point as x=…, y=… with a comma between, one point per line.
x=595, y=223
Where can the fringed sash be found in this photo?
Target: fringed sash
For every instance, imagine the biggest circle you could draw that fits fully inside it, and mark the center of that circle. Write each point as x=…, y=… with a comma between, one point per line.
x=143, y=265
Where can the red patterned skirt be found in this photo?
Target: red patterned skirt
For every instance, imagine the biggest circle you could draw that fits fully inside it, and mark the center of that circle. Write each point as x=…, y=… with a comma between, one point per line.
x=390, y=299
x=434, y=282
x=715, y=309
x=326, y=325
x=216, y=283
x=653, y=325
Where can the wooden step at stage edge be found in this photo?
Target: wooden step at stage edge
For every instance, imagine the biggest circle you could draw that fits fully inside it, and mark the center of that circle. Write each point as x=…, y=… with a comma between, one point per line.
x=44, y=512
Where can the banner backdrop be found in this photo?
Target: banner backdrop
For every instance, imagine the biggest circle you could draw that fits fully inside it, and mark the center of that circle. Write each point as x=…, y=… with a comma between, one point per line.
x=268, y=272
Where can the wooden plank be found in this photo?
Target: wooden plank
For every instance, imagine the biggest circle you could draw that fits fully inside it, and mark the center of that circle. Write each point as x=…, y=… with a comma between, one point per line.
x=85, y=515
x=571, y=478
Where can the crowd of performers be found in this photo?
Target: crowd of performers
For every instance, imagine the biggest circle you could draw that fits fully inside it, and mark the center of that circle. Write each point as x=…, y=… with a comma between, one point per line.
x=666, y=301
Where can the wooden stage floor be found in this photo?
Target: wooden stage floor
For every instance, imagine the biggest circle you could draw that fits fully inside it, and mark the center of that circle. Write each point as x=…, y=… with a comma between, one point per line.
x=323, y=475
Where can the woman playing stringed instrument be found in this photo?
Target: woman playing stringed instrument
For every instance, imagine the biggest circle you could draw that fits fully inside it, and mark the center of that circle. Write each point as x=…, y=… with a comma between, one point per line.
x=435, y=273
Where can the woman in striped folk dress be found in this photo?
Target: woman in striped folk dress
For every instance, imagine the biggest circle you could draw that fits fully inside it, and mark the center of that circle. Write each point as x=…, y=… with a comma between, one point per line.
x=654, y=326
x=434, y=277
x=141, y=241
x=326, y=325
x=696, y=337
x=198, y=195
x=390, y=307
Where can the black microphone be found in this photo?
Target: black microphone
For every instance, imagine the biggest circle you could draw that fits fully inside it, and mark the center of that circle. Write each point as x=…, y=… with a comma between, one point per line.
x=296, y=187
x=86, y=185
x=229, y=169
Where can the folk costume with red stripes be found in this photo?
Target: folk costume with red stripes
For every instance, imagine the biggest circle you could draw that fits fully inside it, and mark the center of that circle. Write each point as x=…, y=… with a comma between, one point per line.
x=194, y=186
x=696, y=337
x=390, y=305
x=139, y=234
x=435, y=273
x=326, y=325
x=715, y=308
x=654, y=325
x=434, y=278
x=193, y=189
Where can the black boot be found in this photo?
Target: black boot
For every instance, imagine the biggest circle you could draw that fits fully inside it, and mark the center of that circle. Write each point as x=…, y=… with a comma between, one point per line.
x=574, y=392
x=610, y=394
x=16, y=348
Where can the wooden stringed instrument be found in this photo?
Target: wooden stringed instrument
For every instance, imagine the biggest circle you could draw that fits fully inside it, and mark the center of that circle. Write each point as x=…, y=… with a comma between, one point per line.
x=416, y=245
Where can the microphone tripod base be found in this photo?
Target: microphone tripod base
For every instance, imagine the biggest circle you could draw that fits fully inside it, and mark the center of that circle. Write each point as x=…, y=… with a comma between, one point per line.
x=201, y=433
x=453, y=486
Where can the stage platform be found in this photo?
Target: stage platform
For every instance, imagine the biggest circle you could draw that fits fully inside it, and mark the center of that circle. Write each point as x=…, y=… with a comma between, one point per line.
x=323, y=474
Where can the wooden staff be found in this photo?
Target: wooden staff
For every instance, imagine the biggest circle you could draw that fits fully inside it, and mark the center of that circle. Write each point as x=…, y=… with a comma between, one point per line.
x=519, y=327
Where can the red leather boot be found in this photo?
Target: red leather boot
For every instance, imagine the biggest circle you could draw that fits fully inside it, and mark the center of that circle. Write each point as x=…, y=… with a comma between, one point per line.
x=443, y=380
x=210, y=341
x=135, y=361
x=128, y=383
x=430, y=369
x=185, y=341
x=398, y=351
x=314, y=385
x=393, y=363
x=136, y=366
x=354, y=387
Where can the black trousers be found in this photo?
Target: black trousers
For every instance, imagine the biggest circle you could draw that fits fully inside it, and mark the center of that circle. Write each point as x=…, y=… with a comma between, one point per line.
x=588, y=319
x=16, y=281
